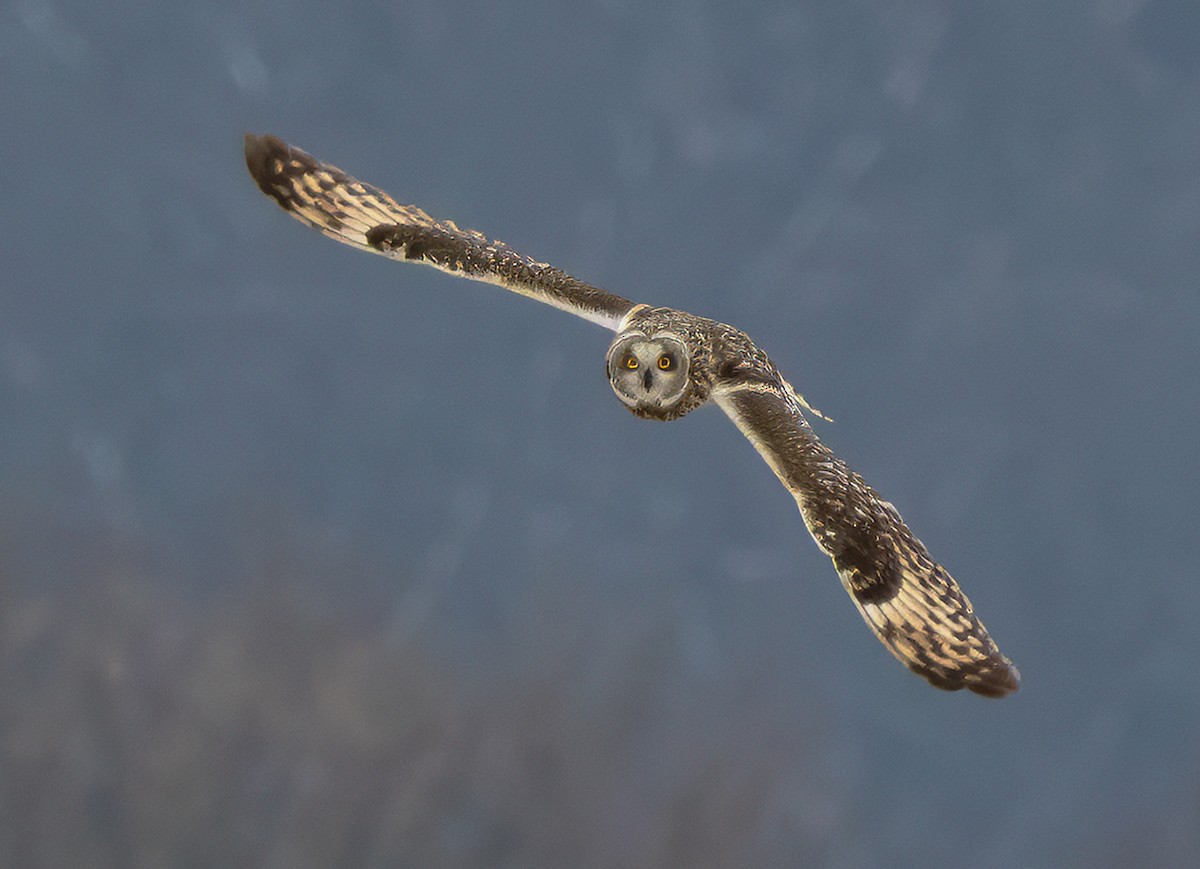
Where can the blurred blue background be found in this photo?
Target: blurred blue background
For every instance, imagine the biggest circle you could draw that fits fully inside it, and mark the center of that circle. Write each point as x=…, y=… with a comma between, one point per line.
x=311, y=559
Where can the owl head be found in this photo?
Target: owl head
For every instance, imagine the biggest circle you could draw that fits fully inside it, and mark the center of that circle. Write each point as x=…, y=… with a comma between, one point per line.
x=650, y=373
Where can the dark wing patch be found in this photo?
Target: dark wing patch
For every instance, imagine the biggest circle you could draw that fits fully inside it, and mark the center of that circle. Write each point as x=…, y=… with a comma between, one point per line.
x=910, y=601
x=363, y=216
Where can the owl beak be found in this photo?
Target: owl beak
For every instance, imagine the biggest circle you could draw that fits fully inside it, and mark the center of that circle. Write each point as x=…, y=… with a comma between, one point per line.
x=647, y=377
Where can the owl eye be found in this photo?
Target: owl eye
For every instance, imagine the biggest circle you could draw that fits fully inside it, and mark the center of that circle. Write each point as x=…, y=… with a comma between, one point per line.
x=666, y=363
x=630, y=362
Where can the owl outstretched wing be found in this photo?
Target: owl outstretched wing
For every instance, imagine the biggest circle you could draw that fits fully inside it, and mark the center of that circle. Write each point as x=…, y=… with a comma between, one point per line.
x=363, y=216
x=910, y=601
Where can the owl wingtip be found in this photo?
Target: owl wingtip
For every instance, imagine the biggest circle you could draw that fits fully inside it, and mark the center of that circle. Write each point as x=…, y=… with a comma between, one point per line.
x=1001, y=682
x=998, y=677
x=261, y=150
x=262, y=141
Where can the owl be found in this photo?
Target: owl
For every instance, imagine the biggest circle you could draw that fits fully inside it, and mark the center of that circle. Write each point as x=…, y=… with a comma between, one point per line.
x=664, y=363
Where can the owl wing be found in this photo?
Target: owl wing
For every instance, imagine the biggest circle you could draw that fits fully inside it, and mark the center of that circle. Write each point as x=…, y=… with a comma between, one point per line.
x=911, y=603
x=357, y=214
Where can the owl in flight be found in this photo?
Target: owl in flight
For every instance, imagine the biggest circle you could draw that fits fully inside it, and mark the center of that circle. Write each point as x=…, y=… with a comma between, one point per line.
x=664, y=363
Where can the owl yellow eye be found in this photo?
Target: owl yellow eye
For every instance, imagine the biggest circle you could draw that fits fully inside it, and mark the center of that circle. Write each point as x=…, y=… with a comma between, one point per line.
x=665, y=363
x=630, y=362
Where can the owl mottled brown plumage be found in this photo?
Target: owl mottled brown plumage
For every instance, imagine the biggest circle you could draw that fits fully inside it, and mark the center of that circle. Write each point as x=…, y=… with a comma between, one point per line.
x=663, y=364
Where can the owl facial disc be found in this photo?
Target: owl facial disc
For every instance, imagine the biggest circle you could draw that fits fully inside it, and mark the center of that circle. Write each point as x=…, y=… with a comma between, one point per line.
x=648, y=374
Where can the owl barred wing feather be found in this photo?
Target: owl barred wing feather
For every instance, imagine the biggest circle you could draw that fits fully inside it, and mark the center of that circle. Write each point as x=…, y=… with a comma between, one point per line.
x=911, y=603
x=363, y=216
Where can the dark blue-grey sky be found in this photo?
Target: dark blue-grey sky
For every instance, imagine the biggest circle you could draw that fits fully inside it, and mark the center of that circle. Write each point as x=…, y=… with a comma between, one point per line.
x=314, y=559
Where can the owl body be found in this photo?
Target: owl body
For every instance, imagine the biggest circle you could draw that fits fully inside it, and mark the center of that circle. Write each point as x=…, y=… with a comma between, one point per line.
x=683, y=342
x=717, y=353
x=664, y=363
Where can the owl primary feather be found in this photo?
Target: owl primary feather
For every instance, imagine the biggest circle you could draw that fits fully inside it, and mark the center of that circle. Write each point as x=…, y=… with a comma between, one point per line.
x=664, y=363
